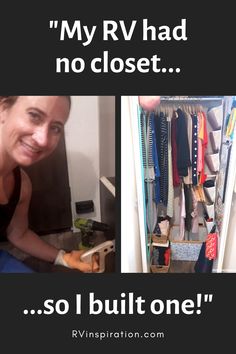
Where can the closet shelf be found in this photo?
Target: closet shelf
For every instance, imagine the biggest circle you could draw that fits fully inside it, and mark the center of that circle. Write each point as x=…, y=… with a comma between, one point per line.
x=157, y=244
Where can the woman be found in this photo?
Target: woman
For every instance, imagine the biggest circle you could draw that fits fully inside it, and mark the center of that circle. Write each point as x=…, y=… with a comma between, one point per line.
x=30, y=129
x=149, y=103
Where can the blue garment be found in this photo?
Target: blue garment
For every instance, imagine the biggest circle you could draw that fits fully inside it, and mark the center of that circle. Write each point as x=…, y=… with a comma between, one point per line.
x=183, y=154
x=161, y=133
x=203, y=264
x=9, y=264
x=151, y=168
x=155, y=159
x=194, y=149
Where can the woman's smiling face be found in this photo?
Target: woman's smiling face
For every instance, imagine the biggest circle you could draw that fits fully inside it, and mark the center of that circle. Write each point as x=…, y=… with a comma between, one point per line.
x=32, y=126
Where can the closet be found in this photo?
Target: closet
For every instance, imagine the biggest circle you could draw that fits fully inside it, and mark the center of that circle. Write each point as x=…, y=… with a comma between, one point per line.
x=181, y=154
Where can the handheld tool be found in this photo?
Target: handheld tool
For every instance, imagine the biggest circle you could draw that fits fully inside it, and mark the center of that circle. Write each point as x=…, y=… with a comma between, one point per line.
x=87, y=227
x=101, y=250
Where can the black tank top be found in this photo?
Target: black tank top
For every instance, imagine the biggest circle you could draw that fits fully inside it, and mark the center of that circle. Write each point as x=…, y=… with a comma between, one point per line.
x=7, y=210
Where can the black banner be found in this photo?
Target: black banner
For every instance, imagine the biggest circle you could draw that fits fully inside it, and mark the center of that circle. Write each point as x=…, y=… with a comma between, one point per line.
x=105, y=48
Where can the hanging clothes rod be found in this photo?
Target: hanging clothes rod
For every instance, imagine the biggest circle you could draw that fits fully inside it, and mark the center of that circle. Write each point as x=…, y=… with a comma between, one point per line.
x=190, y=99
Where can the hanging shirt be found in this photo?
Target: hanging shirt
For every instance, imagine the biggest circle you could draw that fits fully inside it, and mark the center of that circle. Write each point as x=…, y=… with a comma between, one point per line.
x=200, y=141
x=151, y=208
x=170, y=202
x=188, y=119
x=231, y=124
x=146, y=141
x=183, y=155
x=182, y=215
x=194, y=149
x=155, y=159
x=176, y=179
x=188, y=206
x=161, y=129
x=203, y=176
x=148, y=153
x=194, y=214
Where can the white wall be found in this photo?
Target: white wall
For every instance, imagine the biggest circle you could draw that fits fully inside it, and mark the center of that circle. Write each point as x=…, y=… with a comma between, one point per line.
x=107, y=135
x=133, y=242
x=227, y=245
x=82, y=146
x=229, y=264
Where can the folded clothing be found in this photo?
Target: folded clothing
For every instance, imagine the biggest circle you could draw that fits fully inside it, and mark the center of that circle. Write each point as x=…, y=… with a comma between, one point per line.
x=161, y=256
x=209, y=183
x=164, y=227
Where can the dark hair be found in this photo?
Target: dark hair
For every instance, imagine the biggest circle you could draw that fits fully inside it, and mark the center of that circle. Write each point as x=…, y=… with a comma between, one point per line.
x=9, y=101
x=69, y=99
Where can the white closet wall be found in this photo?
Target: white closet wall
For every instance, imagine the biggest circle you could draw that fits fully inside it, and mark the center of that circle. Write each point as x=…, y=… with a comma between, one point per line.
x=133, y=240
x=82, y=147
x=226, y=261
x=133, y=221
x=229, y=260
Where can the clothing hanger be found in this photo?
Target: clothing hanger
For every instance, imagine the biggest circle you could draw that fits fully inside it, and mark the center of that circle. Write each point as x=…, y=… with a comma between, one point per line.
x=198, y=109
x=170, y=111
x=189, y=109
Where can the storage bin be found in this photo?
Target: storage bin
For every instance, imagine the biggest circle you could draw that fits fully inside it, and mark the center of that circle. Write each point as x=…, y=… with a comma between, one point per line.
x=210, y=209
x=159, y=268
x=213, y=162
x=185, y=250
x=215, y=138
x=155, y=267
x=210, y=193
x=161, y=239
x=209, y=225
x=215, y=117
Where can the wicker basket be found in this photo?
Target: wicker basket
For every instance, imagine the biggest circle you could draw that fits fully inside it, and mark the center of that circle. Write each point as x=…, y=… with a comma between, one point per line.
x=159, y=268
x=157, y=238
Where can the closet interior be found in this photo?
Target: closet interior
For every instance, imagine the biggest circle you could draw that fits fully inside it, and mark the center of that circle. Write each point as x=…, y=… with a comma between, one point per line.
x=183, y=179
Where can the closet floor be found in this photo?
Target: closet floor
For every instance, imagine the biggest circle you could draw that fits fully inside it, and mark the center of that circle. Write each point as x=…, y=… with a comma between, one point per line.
x=182, y=267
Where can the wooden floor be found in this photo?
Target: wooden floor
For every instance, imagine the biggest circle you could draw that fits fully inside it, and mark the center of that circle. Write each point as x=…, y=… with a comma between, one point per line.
x=181, y=267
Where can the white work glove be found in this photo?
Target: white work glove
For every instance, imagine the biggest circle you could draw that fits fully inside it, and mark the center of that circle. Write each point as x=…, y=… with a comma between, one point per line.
x=72, y=260
x=60, y=260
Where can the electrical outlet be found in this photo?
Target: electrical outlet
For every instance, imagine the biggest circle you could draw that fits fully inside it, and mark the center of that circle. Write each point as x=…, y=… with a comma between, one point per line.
x=84, y=207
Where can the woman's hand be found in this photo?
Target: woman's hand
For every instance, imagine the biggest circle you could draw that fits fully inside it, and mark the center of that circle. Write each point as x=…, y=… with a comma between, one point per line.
x=149, y=103
x=73, y=260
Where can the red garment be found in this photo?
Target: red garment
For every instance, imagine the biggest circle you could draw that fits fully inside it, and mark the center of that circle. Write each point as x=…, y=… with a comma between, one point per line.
x=167, y=256
x=211, y=246
x=202, y=175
